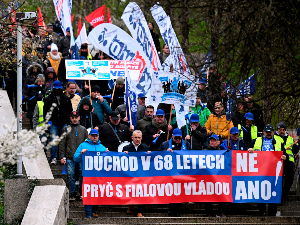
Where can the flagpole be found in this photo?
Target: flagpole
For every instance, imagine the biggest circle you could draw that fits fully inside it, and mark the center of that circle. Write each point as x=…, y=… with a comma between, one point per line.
x=90, y=92
x=170, y=121
x=112, y=96
x=129, y=111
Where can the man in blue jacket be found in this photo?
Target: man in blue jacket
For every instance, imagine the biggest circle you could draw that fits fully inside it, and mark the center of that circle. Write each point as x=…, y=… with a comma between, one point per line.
x=100, y=105
x=90, y=144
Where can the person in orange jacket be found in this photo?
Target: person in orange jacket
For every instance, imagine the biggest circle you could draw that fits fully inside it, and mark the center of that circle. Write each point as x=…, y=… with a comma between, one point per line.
x=217, y=122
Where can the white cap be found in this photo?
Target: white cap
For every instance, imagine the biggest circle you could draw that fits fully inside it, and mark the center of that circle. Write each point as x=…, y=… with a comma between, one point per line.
x=54, y=47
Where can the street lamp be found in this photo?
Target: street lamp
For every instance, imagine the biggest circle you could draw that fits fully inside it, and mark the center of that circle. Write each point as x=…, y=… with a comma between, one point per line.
x=22, y=18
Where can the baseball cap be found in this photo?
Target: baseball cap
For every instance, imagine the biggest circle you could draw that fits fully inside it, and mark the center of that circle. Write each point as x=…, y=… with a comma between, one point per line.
x=94, y=131
x=194, y=118
x=203, y=81
x=281, y=125
x=57, y=84
x=74, y=113
x=68, y=29
x=115, y=115
x=268, y=128
x=214, y=136
x=119, y=80
x=234, y=130
x=141, y=95
x=160, y=112
x=177, y=132
x=249, y=116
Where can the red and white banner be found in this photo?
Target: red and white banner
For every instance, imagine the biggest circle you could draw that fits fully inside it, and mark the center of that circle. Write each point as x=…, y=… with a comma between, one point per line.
x=97, y=17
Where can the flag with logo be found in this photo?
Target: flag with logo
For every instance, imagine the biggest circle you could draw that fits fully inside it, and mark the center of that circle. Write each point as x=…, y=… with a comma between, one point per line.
x=75, y=52
x=130, y=97
x=119, y=45
x=97, y=17
x=248, y=86
x=207, y=61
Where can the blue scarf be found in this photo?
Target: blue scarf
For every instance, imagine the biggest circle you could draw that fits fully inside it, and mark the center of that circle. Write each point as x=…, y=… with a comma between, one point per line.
x=183, y=148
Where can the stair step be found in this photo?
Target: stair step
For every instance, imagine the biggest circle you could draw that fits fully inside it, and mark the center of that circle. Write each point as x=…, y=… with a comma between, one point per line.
x=194, y=220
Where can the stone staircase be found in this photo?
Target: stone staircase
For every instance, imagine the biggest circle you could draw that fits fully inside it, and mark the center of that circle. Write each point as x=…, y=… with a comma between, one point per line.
x=190, y=213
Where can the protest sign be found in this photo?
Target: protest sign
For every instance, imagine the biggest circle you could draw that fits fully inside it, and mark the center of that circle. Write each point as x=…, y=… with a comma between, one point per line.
x=173, y=88
x=120, y=46
x=101, y=69
x=182, y=176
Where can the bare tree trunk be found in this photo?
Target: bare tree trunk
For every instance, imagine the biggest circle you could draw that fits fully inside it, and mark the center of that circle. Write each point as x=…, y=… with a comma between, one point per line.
x=97, y=4
x=185, y=26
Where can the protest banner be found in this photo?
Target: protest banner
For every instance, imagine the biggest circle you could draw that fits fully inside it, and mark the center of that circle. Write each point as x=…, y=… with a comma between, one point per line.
x=101, y=69
x=182, y=176
x=96, y=17
x=173, y=88
x=120, y=46
x=177, y=58
x=135, y=20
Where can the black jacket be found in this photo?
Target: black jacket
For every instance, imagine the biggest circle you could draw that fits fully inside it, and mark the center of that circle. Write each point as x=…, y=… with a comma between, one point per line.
x=131, y=148
x=61, y=113
x=148, y=133
x=118, y=97
x=87, y=117
x=108, y=137
x=61, y=72
x=31, y=96
x=198, y=136
x=64, y=45
x=165, y=145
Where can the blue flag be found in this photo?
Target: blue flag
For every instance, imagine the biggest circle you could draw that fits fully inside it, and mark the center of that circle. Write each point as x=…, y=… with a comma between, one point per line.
x=111, y=84
x=248, y=86
x=230, y=103
x=130, y=98
x=207, y=62
x=75, y=53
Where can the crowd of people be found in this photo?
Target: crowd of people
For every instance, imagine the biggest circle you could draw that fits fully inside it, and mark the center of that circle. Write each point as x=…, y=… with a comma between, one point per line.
x=98, y=123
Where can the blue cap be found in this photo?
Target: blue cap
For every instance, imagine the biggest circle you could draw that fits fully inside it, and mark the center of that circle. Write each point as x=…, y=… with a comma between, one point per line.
x=160, y=112
x=249, y=116
x=194, y=118
x=214, y=136
x=94, y=131
x=203, y=81
x=71, y=80
x=68, y=29
x=298, y=132
x=234, y=130
x=82, y=57
x=59, y=34
x=57, y=84
x=141, y=95
x=177, y=132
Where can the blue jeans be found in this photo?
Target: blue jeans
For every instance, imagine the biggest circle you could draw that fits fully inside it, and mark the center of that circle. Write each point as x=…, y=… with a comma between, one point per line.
x=70, y=169
x=54, y=130
x=90, y=210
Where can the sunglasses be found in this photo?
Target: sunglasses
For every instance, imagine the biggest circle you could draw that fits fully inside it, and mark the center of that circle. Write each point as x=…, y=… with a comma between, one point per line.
x=177, y=138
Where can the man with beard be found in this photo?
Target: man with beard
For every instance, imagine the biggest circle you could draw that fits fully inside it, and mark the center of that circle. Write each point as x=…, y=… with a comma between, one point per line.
x=52, y=36
x=70, y=92
x=142, y=123
x=60, y=114
x=53, y=58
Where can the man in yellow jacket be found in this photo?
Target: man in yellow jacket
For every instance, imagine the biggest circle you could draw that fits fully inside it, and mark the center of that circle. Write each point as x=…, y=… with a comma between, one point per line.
x=270, y=142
